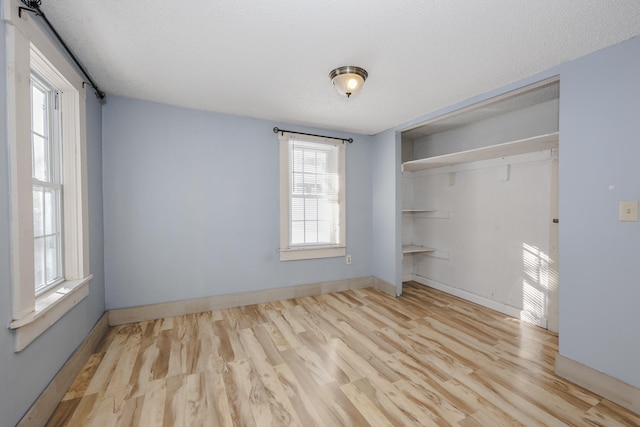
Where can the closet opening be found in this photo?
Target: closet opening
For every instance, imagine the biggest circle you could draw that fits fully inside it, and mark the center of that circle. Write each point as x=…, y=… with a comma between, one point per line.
x=479, y=196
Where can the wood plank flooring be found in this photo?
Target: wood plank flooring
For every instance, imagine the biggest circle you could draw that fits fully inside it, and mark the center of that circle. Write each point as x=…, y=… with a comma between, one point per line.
x=355, y=358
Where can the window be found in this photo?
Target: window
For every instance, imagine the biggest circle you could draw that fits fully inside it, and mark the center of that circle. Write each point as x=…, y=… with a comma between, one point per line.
x=312, y=197
x=47, y=152
x=47, y=185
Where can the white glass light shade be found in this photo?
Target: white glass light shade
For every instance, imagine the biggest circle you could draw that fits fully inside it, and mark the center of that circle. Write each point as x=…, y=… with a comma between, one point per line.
x=348, y=80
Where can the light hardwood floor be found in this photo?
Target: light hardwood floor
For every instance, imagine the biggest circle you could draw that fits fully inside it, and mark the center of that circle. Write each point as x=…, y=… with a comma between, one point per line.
x=354, y=358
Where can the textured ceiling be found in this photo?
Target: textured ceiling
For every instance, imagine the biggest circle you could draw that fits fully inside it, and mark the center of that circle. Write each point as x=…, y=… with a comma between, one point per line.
x=271, y=59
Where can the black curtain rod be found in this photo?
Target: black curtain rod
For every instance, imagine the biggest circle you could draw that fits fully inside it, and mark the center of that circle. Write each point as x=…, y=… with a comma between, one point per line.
x=282, y=131
x=34, y=6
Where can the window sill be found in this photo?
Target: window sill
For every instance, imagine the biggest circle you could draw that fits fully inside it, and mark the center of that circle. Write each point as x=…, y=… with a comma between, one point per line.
x=50, y=307
x=293, y=254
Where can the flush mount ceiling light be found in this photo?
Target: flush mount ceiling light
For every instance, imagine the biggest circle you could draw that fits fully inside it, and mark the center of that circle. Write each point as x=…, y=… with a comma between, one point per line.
x=349, y=79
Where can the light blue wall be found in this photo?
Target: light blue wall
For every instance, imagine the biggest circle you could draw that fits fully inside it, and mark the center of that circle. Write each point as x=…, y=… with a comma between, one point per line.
x=386, y=212
x=191, y=206
x=599, y=256
x=24, y=375
x=177, y=227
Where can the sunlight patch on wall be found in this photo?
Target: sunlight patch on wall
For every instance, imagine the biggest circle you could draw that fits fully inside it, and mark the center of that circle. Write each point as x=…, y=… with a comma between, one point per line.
x=535, y=284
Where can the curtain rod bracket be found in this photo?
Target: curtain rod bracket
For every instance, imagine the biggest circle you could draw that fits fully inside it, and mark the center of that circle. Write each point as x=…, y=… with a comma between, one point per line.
x=20, y=9
x=99, y=93
x=282, y=132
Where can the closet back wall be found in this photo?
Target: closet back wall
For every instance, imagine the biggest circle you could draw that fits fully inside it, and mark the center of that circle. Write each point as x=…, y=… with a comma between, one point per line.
x=191, y=206
x=523, y=123
x=497, y=236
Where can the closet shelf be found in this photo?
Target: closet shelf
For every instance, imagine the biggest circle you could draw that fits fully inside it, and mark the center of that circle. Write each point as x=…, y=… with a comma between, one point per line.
x=521, y=146
x=413, y=249
x=420, y=213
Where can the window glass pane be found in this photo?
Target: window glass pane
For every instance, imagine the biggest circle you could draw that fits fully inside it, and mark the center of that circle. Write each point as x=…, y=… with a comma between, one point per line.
x=38, y=211
x=311, y=210
x=297, y=232
x=51, y=210
x=325, y=210
x=309, y=161
x=310, y=186
x=333, y=184
x=296, y=162
x=297, y=187
x=321, y=162
x=324, y=231
x=322, y=180
x=40, y=158
x=51, y=258
x=297, y=209
x=311, y=232
x=38, y=261
x=38, y=108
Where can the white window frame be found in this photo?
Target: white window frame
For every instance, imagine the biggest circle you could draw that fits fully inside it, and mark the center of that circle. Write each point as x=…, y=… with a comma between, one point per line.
x=28, y=48
x=289, y=252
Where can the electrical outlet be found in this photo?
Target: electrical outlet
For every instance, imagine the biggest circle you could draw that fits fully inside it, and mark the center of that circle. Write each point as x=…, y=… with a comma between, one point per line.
x=348, y=259
x=628, y=210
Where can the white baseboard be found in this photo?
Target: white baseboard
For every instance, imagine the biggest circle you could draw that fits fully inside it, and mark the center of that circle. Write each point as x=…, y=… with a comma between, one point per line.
x=122, y=316
x=384, y=286
x=485, y=302
x=599, y=383
x=43, y=407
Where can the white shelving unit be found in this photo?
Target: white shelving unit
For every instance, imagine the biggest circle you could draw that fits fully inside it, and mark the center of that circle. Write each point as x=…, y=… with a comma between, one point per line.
x=427, y=213
x=521, y=146
x=414, y=249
